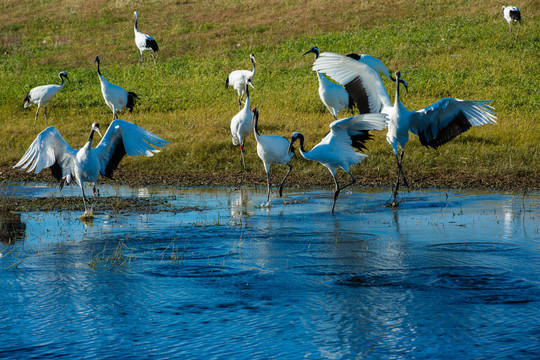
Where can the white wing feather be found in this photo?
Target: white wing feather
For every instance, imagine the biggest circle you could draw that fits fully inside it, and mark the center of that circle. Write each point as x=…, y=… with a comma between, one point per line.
x=439, y=115
x=135, y=139
x=345, y=70
x=48, y=148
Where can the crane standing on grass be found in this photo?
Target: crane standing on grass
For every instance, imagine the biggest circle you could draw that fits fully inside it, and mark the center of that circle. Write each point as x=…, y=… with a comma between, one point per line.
x=42, y=95
x=115, y=97
x=144, y=42
x=512, y=13
x=238, y=79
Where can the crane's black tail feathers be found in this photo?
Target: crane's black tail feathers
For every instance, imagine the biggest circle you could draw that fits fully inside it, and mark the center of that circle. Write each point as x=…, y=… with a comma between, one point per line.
x=131, y=101
x=27, y=100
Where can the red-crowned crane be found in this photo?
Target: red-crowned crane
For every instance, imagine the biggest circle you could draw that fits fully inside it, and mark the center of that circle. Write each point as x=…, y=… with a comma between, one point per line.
x=115, y=97
x=50, y=150
x=272, y=149
x=242, y=124
x=435, y=125
x=239, y=78
x=332, y=95
x=336, y=149
x=144, y=42
x=512, y=13
x=42, y=95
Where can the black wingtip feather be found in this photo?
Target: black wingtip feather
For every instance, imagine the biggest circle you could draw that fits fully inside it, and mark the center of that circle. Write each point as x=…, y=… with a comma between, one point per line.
x=358, y=93
x=56, y=171
x=458, y=125
x=119, y=153
x=359, y=140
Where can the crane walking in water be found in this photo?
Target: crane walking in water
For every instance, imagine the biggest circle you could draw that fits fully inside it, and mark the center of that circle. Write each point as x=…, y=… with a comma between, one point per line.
x=336, y=150
x=272, y=149
x=50, y=150
x=435, y=125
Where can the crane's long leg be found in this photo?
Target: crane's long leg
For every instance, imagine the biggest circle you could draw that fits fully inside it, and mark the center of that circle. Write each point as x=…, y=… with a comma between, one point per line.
x=84, y=198
x=45, y=112
x=153, y=57
x=142, y=58
x=338, y=188
x=400, y=169
x=283, y=182
x=269, y=186
x=242, y=152
x=35, y=119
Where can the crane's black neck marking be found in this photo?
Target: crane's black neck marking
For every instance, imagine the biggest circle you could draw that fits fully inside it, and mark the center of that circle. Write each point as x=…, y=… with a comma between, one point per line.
x=91, y=137
x=99, y=72
x=131, y=101
x=256, y=122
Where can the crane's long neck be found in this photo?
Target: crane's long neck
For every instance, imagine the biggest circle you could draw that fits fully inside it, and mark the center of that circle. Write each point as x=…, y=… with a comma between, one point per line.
x=255, y=125
x=63, y=83
x=99, y=72
x=90, y=138
x=253, y=64
x=135, y=24
x=247, y=105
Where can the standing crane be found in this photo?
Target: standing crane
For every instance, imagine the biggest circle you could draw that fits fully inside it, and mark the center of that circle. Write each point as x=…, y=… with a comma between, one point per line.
x=336, y=149
x=42, y=95
x=238, y=79
x=242, y=124
x=272, y=149
x=512, y=13
x=435, y=125
x=144, y=42
x=115, y=97
x=332, y=95
x=50, y=150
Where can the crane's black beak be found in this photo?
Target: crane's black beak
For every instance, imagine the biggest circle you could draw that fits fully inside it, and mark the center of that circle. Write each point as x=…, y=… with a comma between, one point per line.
x=312, y=50
x=405, y=85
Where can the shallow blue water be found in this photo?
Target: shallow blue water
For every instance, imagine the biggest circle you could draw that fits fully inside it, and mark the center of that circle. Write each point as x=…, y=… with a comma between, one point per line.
x=447, y=275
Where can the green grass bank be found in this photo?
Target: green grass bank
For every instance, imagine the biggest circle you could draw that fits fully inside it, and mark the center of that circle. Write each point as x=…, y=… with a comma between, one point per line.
x=459, y=49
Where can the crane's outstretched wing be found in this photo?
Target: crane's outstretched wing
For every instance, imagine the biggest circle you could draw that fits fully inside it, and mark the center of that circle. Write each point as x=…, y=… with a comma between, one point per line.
x=439, y=123
x=49, y=150
x=362, y=83
x=125, y=138
x=356, y=128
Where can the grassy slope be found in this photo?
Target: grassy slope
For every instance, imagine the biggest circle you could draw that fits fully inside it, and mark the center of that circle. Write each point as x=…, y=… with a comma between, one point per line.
x=459, y=49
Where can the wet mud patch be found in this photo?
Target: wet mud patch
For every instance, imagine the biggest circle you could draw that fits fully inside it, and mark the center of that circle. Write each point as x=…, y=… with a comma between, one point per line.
x=114, y=204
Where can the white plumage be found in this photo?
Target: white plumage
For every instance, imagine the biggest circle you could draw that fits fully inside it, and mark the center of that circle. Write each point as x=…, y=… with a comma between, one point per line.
x=272, y=149
x=376, y=65
x=512, y=13
x=143, y=41
x=238, y=79
x=242, y=124
x=42, y=95
x=336, y=150
x=435, y=125
x=332, y=95
x=50, y=150
x=116, y=98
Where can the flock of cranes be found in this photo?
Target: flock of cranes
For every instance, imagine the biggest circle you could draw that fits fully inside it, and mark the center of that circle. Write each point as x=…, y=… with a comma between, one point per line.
x=358, y=85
